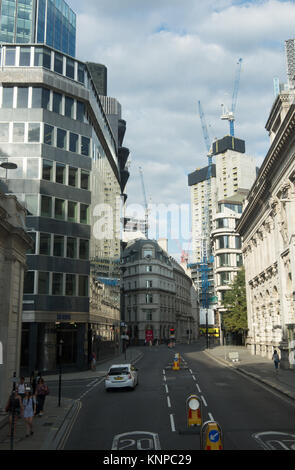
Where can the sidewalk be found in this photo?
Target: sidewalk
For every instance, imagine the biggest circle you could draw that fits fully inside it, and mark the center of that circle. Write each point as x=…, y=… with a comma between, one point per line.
x=50, y=429
x=257, y=367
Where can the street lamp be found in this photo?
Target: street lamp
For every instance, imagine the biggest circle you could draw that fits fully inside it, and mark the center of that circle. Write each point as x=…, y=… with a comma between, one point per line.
x=6, y=165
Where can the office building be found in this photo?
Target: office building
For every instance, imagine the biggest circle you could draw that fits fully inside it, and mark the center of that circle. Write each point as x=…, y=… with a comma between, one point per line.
x=50, y=22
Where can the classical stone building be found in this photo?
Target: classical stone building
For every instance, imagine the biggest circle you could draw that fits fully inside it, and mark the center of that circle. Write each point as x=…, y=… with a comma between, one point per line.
x=157, y=294
x=267, y=226
x=14, y=243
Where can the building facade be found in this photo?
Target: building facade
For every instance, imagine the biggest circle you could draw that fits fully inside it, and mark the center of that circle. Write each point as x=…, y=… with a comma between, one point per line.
x=54, y=127
x=38, y=21
x=156, y=294
x=14, y=243
x=268, y=233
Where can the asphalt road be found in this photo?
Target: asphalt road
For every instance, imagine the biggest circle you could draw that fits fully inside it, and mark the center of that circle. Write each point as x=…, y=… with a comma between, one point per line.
x=153, y=416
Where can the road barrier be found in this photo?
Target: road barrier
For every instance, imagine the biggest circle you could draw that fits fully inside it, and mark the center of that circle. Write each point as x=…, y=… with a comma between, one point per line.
x=194, y=411
x=211, y=436
x=176, y=362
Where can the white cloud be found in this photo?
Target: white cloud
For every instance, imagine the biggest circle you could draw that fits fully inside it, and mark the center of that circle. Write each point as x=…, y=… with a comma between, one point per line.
x=164, y=55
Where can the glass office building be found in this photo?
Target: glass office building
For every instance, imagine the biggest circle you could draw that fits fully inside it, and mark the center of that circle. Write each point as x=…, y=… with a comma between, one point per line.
x=50, y=22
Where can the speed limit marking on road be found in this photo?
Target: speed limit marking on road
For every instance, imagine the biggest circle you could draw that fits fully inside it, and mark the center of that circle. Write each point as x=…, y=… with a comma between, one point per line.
x=137, y=440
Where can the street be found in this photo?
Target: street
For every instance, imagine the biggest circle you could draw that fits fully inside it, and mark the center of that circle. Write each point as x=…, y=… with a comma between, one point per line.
x=153, y=416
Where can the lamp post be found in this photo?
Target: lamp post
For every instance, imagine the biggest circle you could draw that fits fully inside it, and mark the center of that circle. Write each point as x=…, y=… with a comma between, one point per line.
x=7, y=165
x=59, y=360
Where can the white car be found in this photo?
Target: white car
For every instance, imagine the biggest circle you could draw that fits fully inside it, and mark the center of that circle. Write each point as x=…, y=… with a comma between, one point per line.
x=121, y=375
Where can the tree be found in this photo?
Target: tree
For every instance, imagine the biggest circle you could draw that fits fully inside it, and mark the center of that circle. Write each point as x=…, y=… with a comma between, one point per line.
x=235, y=303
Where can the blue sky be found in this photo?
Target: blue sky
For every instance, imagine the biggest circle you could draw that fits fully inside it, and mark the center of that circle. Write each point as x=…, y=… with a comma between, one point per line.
x=165, y=55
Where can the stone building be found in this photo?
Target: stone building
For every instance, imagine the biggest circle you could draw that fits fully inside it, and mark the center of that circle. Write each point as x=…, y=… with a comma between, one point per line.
x=14, y=243
x=157, y=295
x=267, y=226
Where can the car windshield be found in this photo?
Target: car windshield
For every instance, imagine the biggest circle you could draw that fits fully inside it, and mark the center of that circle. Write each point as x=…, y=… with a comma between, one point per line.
x=119, y=371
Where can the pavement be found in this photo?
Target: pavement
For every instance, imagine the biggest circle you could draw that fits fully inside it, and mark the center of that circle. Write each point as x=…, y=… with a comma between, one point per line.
x=51, y=429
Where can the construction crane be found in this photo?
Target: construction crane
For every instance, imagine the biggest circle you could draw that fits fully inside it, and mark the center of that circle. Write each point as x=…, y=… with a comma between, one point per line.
x=206, y=256
x=230, y=115
x=146, y=217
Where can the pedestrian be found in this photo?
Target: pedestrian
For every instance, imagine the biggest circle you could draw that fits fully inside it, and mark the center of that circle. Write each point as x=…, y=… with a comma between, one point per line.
x=33, y=382
x=276, y=360
x=93, y=361
x=21, y=388
x=41, y=392
x=14, y=407
x=29, y=410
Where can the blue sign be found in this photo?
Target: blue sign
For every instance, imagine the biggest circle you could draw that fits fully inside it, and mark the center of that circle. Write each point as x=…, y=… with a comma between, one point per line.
x=214, y=436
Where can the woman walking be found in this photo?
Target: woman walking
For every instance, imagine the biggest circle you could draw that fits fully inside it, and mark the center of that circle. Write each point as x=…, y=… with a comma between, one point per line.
x=14, y=407
x=29, y=404
x=276, y=360
x=41, y=392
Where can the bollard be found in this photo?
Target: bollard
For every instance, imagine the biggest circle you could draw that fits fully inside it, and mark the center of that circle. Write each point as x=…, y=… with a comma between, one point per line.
x=211, y=436
x=176, y=362
x=193, y=411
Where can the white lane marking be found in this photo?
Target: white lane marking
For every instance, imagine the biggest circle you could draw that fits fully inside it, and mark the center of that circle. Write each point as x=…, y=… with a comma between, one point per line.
x=211, y=416
x=165, y=378
x=204, y=401
x=166, y=387
x=190, y=371
x=169, y=402
x=92, y=383
x=93, y=386
x=164, y=372
x=172, y=423
x=199, y=390
x=194, y=377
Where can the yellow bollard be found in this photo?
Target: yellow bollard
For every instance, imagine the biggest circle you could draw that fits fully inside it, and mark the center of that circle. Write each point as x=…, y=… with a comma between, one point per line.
x=211, y=436
x=194, y=411
x=176, y=362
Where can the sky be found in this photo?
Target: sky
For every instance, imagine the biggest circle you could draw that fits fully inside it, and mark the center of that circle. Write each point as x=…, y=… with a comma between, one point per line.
x=163, y=56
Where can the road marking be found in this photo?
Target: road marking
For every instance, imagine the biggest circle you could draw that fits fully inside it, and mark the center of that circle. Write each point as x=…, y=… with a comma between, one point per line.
x=199, y=390
x=190, y=371
x=211, y=416
x=166, y=387
x=92, y=383
x=93, y=386
x=169, y=402
x=165, y=378
x=172, y=423
x=137, y=440
x=194, y=377
x=204, y=401
x=164, y=372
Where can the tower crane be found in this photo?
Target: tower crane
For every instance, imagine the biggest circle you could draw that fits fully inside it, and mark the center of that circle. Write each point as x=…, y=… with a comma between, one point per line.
x=230, y=115
x=146, y=221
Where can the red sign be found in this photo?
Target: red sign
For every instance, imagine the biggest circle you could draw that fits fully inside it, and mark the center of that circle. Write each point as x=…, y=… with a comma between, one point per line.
x=149, y=335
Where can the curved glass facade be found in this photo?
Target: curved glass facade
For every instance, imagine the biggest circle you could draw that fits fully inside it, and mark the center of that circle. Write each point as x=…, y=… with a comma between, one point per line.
x=50, y=22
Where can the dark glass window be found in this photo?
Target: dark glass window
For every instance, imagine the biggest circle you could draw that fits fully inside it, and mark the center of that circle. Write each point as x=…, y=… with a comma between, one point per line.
x=18, y=132
x=84, y=214
x=80, y=111
x=70, y=68
x=29, y=282
x=57, y=103
x=61, y=138
x=84, y=249
x=71, y=247
x=40, y=98
x=84, y=179
x=7, y=100
x=45, y=244
x=81, y=73
x=59, y=211
x=57, y=284
x=83, y=286
x=58, y=63
x=73, y=176
x=238, y=243
x=222, y=223
x=47, y=171
x=69, y=107
x=42, y=58
x=10, y=56
x=48, y=134
x=58, y=246
x=46, y=206
x=25, y=57
x=239, y=260
x=22, y=97
x=223, y=241
x=43, y=283
x=60, y=174
x=34, y=132
x=85, y=146
x=70, y=284
x=72, y=211
x=74, y=138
